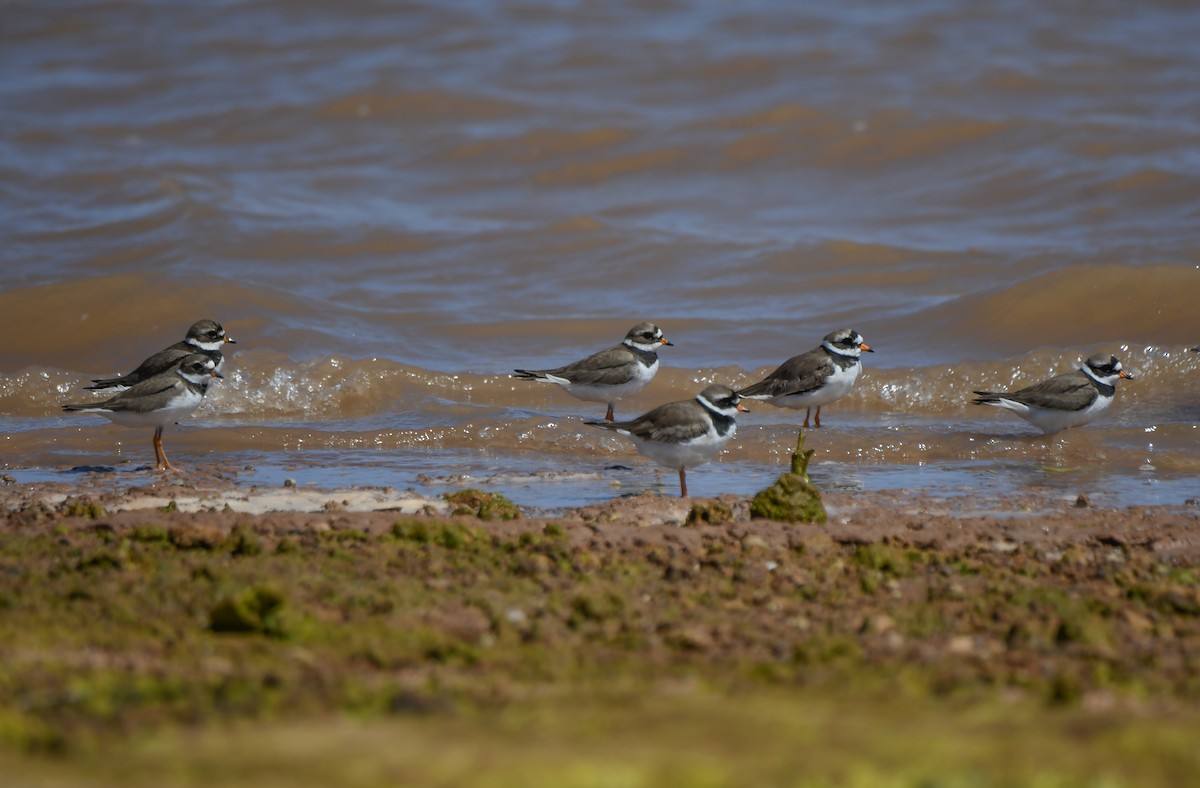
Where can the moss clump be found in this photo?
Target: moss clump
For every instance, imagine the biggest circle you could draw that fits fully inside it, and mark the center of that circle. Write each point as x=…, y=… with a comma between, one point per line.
x=1167, y=598
x=594, y=607
x=793, y=498
x=150, y=534
x=101, y=559
x=257, y=609
x=29, y=733
x=484, y=505
x=82, y=508
x=452, y=536
x=884, y=559
x=194, y=536
x=243, y=541
x=1087, y=630
x=709, y=513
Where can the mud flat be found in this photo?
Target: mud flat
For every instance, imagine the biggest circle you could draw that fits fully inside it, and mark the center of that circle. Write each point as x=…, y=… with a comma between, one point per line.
x=198, y=632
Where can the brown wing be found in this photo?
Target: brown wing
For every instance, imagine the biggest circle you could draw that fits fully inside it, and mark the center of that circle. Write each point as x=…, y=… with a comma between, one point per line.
x=145, y=396
x=798, y=375
x=675, y=422
x=608, y=367
x=1071, y=391
x=160, y=362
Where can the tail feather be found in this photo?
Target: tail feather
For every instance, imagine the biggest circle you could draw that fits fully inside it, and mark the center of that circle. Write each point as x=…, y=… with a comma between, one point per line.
x=987, y=397
x=612, y=426
x=105, y=383
x=764, y=389
x=526, y=374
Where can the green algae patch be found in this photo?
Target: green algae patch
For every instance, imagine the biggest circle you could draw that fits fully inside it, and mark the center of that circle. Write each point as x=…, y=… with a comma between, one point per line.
x=448, y=535
x=884, y=559
x=793, y=498
x=258, y=609
x=75, y=507
x=150, y=534
x=1167, y=597
x=195, y=536
x=484, y=505
x=709, y=513
x=243, y=541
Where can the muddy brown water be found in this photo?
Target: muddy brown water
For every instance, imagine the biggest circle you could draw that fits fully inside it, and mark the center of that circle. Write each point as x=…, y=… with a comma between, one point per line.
x=391, y=207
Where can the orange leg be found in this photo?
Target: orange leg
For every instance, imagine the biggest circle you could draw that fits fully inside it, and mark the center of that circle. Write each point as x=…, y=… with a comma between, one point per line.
x=807, y=413
x=609, y=416
x=817, y=423
x=160, y=454
x=682, y=483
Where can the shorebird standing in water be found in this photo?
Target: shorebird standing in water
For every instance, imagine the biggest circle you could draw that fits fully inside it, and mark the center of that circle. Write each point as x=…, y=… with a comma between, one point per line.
x=158, y=401
x=821, y=376
x=685, y=434
x=205, y=336
x=611, y=374
x=1063, y=401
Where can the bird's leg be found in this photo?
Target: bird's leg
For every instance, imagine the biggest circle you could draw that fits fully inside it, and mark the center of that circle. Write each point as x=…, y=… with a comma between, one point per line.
x=683, y=483
x=159, y=461
x=807, y=413
x=609, y=416
x=160, y=454
x=817, y=423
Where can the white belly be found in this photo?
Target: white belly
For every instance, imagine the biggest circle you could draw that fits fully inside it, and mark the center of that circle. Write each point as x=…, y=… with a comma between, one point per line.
x=181, y=407
x=684, y=455
x=836, y=386
x=609, y=394
x=1049, y=420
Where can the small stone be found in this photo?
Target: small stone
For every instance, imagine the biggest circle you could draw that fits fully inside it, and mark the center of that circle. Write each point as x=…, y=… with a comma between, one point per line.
x=1082, y=502
x=289, y=482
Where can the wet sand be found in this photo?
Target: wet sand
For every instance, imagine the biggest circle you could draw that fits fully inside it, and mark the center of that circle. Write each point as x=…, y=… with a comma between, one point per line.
x=1046, y=521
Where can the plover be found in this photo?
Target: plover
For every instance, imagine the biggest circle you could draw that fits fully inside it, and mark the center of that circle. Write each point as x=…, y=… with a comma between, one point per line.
x=158, y=401
x=684, y=434
x=611, y=374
